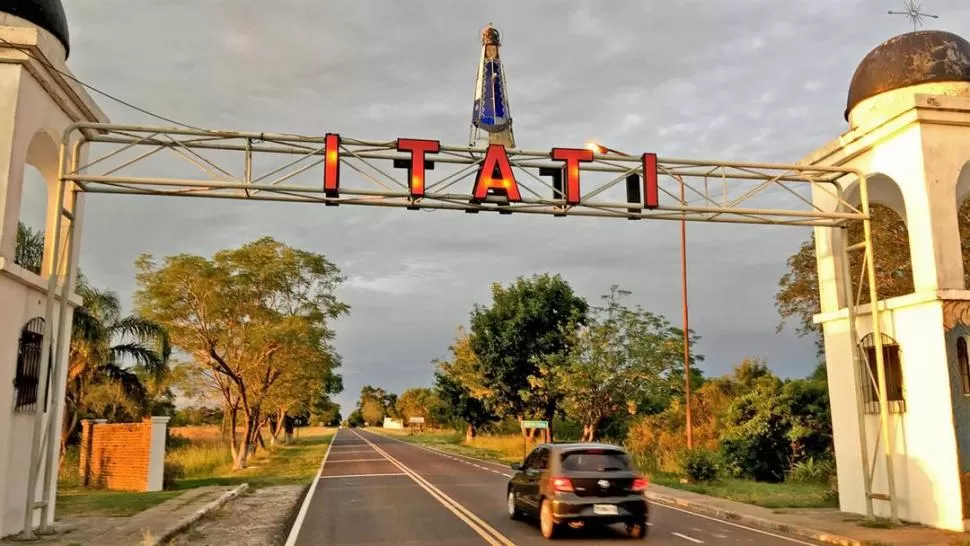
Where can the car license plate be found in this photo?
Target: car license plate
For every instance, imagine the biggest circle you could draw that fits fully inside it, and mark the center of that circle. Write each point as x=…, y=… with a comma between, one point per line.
x=605, y=509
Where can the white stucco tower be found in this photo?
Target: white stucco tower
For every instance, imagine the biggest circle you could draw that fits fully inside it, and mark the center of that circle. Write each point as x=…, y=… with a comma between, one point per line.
x=38, y=101
x=909, y=133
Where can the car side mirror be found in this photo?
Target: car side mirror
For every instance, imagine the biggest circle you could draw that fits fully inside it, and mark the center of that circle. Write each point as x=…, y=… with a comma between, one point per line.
x=516, y=466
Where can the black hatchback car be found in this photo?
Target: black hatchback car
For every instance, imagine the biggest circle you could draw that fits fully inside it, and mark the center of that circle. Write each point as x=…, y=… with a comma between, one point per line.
x=578, y=484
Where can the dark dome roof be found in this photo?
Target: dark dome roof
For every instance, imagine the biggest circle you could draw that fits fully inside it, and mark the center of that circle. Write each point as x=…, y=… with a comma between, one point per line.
x=47, y=14
x=910, y=59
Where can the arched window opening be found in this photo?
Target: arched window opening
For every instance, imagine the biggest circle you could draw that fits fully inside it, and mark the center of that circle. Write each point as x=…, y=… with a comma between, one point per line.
x=29, y=253
x=870, y=375
x=963, y=363
x=29, y=355
x=890, y=242
x=40, y=168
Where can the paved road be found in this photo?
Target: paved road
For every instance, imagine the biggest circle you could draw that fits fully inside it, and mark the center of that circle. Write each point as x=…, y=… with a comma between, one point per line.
x=378, y=490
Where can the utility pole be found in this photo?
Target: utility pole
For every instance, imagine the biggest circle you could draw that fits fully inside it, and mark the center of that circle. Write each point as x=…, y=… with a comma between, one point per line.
x=683, y=284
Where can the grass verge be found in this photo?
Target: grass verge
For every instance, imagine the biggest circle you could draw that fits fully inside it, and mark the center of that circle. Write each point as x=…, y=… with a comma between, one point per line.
x=508, y=449
x=203, y=464
x=77, y=501
x=767, y=495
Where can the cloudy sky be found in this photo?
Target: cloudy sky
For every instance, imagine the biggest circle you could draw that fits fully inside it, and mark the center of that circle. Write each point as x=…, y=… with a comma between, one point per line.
x=745, y=80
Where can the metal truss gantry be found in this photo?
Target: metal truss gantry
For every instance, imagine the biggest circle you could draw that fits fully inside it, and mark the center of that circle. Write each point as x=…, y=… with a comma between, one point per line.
x=123, y=160
x=298, y=177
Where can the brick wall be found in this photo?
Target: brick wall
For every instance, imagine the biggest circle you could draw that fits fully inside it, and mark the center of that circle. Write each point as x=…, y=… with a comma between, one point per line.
x=965, y=485
x=116, y=456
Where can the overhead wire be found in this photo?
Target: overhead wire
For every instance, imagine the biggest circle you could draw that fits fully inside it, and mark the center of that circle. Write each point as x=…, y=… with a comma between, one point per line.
x=90, y=87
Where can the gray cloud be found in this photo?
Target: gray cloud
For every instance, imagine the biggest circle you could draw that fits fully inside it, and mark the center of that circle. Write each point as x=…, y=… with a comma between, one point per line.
x=748, y=80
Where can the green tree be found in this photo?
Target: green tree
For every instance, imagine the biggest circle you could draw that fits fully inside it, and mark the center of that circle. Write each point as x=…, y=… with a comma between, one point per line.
x=522, y=328
x=755, y=441
x=108, y=353
x=419, y=402
x=373, y=404
x=460, y=385
x=250, y=317
x=797, y=298
x=355, y=419
x=616, y=362
x=29, y=252
x=302, y=383
x=372, y=412
x=325, y=411
x=805, y=403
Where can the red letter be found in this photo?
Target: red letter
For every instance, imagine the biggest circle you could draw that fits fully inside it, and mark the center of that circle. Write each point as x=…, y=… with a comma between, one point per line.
x=416, y=166
x=495, y=159
x=651, y=189
x=572, y=157
x=331, y=163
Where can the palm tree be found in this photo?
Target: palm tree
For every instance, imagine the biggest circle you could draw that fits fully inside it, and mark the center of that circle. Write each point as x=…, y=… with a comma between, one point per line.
x=103, y=342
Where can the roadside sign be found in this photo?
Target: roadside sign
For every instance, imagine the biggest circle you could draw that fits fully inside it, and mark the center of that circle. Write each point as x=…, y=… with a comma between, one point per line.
x=544, y=425
x=416, y=420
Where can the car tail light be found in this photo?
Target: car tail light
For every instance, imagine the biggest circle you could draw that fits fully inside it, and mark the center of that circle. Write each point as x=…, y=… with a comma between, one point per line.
x=640, y=484
x=562, y=485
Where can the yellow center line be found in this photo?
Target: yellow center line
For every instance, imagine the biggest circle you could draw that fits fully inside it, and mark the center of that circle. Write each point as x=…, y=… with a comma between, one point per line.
x=485, y=530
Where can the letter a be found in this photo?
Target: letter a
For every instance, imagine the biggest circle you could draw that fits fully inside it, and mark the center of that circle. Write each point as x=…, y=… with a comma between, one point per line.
x=496, y=161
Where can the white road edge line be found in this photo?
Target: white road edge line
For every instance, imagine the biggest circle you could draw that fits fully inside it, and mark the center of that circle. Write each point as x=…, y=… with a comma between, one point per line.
x=361, y=475
x=724, y=522
x=485, y=530
x=659, y=504
x=298, y=522
x=685, y=537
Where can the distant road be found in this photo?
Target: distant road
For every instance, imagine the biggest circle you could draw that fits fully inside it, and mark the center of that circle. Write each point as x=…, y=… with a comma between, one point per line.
x=378, y=490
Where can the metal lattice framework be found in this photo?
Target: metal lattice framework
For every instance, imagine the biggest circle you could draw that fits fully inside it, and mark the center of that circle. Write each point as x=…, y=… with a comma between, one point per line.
x=124, y=160
x=715, y=191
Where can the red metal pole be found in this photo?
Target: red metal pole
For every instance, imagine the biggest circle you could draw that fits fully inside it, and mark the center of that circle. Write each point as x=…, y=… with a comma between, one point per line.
x=683, y=283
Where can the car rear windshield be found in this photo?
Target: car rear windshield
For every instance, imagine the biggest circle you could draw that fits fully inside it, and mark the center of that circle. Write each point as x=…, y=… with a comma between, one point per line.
x=595, y=460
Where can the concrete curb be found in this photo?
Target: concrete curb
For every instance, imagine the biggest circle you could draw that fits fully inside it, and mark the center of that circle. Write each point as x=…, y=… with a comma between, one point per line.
x=187, y=521
x=752, y=521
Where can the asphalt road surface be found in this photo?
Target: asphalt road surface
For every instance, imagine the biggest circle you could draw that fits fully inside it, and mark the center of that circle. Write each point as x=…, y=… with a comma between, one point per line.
x=373, y=489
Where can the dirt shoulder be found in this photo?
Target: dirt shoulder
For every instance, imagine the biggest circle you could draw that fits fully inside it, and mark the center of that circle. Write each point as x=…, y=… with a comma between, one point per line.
x=259, y=517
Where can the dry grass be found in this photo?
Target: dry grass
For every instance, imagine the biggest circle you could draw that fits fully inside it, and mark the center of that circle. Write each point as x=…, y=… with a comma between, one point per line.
x=197, y=432
x=203, y=451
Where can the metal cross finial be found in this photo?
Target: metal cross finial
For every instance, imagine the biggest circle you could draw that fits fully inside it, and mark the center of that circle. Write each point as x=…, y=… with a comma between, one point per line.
x=913, y=12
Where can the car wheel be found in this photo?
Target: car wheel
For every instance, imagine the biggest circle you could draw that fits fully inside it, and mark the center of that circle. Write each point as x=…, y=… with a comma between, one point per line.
x=637, y=530
x=513, y=509
x=546, y=524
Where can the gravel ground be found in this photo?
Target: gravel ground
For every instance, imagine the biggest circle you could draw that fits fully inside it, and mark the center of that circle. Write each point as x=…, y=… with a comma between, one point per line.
x=261, y=517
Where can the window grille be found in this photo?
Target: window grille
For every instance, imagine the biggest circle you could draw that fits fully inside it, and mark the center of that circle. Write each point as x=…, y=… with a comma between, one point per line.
x=894, y=375
x=29, y=356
